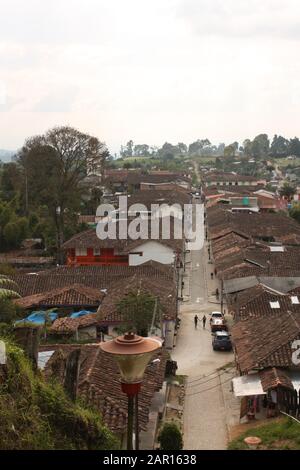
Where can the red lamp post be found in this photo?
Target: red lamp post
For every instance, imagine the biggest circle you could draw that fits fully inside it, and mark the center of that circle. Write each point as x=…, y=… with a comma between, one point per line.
x=132, y=354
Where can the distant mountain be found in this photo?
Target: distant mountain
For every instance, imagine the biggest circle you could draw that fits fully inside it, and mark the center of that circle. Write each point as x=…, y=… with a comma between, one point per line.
x=5, y=155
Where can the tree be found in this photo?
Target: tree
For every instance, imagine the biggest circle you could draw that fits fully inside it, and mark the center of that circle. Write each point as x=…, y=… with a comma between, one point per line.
x=229, y=151
x=260, y=146
x=141, y=150
x=15, y=232
x=170, y=437
x=10, y=181
x=54, y=166
x=287, y=191
x=295, y=212
x=195, y=148
x=137, y=310
x=182, y=148
x=127, y=151
x=294, y=147
x=279, y=146
x=247, y=144
x=168, y=149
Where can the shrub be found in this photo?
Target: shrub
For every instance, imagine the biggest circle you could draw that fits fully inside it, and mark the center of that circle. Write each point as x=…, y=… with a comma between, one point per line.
x=170, y=437
x=36, y=415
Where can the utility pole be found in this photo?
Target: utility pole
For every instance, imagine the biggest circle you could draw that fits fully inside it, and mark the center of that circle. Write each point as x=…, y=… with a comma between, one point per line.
x=222, y=301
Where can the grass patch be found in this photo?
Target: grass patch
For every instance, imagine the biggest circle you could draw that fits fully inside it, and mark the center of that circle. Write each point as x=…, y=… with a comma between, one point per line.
x=283, y=162
x=283, y=434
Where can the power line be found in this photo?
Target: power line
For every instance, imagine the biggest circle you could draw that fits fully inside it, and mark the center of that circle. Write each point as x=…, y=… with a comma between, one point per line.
x=210, y=388
x=205, y=381
x=212, y=373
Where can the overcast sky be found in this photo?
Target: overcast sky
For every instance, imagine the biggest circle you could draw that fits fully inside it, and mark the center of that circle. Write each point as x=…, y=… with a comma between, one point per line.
x=151, y=71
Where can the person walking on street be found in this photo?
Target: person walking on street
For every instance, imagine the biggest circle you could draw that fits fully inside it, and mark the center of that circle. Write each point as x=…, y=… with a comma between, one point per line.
x=204, y=321
x=196, y=321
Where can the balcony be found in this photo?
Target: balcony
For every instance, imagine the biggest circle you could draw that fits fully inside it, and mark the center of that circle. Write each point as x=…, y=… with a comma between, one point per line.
x=97, y=260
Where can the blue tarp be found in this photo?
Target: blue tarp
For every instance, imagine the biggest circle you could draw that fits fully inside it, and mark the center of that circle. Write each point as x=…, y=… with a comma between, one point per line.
x=39, y=317
x=80, y=314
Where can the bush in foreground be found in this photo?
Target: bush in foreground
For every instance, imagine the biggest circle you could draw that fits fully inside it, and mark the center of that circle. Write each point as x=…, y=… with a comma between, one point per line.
x=170, y=437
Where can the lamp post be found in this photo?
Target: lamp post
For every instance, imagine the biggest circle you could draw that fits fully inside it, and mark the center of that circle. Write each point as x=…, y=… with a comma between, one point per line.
x=132, y=354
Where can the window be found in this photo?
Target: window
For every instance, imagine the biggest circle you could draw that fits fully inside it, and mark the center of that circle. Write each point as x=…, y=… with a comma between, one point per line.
x=274, y=304
x=81, y=252
x=97, y=252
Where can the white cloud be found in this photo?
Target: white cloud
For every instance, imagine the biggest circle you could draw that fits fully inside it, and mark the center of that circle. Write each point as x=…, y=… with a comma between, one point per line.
x=243, y=18
x=152, y=71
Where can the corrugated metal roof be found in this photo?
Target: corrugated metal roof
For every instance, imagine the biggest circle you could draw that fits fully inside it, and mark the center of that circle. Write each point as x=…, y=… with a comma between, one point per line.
x=247, y=385
x=280, y=284
x=239, y=284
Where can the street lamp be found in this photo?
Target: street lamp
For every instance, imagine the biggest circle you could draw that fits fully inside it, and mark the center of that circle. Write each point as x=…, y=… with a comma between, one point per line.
x=132, y=354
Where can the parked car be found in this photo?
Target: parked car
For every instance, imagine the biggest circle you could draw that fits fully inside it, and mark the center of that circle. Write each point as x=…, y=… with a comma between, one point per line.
x=216, y=315
x=218, y=324
x=221, y=341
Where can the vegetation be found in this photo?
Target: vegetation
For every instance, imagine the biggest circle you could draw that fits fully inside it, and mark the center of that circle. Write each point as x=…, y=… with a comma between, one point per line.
x=170, y=437
x=4, y=292
x=43, y=189
x=137, y=310
x=287, y=190
x=283, y=434
x=37, y=415
x=295, y=212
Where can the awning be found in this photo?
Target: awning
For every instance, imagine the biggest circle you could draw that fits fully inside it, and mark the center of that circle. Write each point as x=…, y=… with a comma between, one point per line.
x=247, y=385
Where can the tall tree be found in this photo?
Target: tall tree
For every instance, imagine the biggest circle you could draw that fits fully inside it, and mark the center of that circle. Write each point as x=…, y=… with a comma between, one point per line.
x=260, y=146
x=54, y=166
x=279, y=146
x=137, y=310
x=196, y=147
x=294, y=147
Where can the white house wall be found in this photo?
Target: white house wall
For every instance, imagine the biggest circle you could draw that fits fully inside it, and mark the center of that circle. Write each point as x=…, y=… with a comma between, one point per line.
x=152, y=251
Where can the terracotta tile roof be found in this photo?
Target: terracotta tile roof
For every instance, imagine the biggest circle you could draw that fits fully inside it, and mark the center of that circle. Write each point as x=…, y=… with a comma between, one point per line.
x=257, y=259
x=231, y=241
x=130, y=177
x=166, y=292
x=96, y=277
x=230, y=190
x=76, y=295
x=259, y=226
x=159, y=197
x=256, y=303
x=263, y=343
x=274, y=377
x=220, y=176
x=67, y=325
x=99, y=383
x=89, y=239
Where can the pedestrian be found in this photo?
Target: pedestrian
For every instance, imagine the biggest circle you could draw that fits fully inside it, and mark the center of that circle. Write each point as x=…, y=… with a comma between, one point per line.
x=204, y=321
x=196, y=321
x=211, y=275
x=217, y=293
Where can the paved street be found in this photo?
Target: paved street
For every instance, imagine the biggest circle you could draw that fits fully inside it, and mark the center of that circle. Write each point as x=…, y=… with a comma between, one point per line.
x=205, y=411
